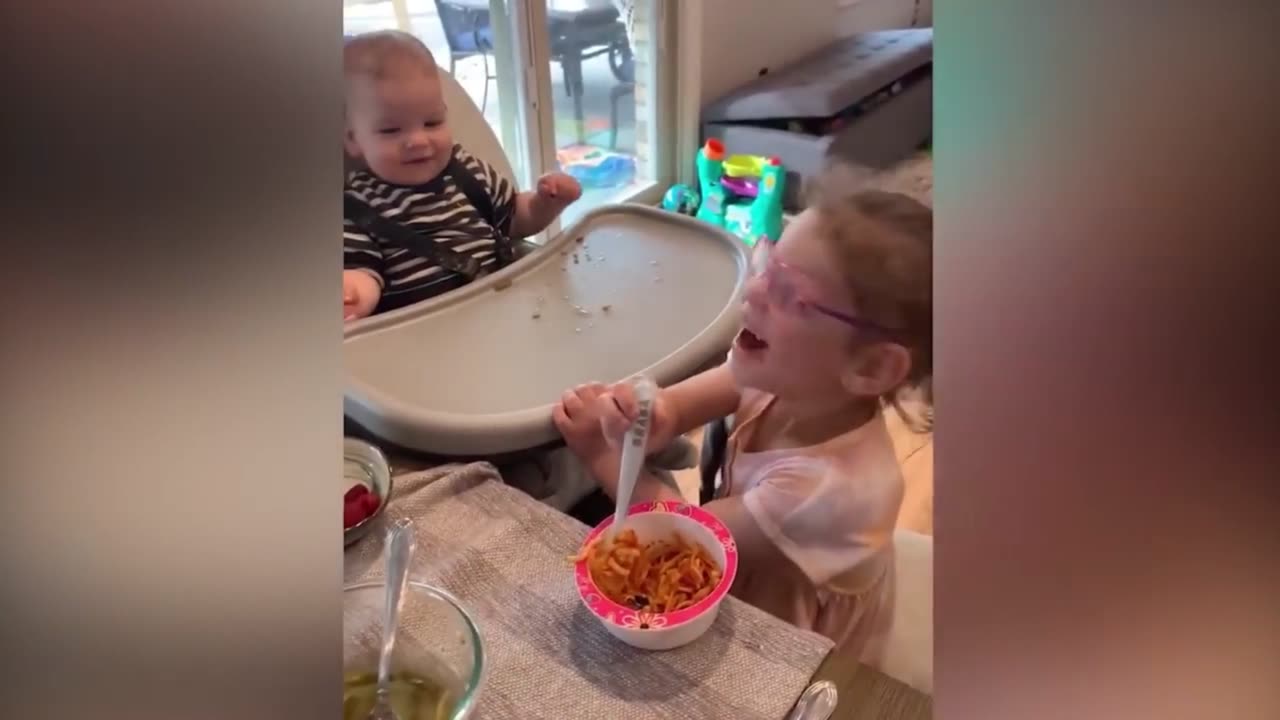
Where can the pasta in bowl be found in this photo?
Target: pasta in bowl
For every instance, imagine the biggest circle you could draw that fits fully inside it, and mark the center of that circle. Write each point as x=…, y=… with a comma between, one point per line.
x=659, y=583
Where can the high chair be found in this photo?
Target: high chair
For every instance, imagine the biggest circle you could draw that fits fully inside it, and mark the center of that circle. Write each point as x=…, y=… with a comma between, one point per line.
x=547, y=471
x=472, y=131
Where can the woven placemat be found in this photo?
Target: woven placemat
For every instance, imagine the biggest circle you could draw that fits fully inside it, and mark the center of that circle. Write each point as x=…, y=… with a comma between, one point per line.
x=505, y=556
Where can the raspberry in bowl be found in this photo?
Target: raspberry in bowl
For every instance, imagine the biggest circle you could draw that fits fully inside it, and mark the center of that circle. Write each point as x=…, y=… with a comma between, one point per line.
x=366, y=477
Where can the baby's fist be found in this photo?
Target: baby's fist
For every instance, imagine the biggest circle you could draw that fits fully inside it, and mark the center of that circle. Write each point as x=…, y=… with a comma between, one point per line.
x=559, y=187
x=360, y=294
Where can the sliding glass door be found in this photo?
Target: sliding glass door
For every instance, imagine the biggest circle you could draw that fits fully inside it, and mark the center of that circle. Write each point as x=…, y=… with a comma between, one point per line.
x=597, y=60
x=580, y=86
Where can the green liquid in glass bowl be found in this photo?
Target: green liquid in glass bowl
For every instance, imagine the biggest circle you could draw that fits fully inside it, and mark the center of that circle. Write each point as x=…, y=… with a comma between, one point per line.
x=413, y=697
x=437, y=667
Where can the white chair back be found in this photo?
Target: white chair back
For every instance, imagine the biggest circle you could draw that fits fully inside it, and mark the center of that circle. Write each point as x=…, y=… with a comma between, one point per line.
x=470, y=129
x=908, y=653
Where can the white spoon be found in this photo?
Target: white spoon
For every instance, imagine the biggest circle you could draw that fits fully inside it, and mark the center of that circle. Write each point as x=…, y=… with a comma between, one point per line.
x=633, y=450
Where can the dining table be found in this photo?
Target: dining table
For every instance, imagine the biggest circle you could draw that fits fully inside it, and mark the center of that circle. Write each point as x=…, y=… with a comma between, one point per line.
x=506, y=557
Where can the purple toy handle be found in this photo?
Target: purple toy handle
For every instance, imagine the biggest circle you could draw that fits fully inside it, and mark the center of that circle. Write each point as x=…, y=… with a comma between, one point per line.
x=740, y=186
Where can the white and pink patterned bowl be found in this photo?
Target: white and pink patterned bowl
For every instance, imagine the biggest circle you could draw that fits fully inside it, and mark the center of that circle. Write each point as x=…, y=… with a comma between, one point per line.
x=663, y=631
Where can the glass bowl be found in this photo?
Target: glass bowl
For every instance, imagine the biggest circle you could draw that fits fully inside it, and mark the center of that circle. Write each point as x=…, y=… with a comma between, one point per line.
x=363, y=463
x=438, y=642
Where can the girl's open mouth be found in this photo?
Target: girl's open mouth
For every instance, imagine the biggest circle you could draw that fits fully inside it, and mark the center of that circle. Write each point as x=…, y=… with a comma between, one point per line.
x=750, y=342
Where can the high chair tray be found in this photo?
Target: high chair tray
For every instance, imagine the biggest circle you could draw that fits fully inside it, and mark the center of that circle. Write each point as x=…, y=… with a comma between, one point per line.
x=627, y=289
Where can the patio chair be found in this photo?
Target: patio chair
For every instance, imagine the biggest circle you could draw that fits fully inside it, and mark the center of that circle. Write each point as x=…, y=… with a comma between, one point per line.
x=620, y=58
x=622, y=64
x=619, y=91
x=584, y=39
x=468, y=33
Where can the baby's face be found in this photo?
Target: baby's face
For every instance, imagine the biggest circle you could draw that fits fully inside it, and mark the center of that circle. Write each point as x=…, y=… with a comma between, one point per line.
x=397, y=124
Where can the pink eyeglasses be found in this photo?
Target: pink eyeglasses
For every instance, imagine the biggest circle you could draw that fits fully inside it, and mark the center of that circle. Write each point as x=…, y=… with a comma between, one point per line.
x=790, y=289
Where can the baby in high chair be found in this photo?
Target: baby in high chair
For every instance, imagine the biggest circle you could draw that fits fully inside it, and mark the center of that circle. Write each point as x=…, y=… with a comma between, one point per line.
x=422, y=216
x=837, y=322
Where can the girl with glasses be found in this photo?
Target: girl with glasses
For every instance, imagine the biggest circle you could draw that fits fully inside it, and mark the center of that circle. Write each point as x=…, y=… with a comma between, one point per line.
x=837, y=326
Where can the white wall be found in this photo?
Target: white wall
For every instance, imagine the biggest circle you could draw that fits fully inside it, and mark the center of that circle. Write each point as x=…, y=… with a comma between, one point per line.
x=742, y=36
x=855, y=16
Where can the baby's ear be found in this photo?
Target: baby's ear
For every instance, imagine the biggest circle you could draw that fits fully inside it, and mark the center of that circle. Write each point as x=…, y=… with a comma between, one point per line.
x=877, y=369
x=349, y=144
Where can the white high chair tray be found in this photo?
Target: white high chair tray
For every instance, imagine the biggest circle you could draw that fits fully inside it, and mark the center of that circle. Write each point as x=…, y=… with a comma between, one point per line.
x=628, y=289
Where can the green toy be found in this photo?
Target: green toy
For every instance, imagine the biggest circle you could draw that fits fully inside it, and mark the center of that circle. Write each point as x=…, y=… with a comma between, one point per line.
x=742, y=193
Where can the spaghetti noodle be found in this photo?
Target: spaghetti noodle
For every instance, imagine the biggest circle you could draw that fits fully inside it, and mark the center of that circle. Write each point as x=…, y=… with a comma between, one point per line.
x=658, y=576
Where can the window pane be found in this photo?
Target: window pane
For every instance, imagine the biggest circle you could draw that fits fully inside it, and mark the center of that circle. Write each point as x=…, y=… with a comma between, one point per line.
x=467, y=40
x=601, y=100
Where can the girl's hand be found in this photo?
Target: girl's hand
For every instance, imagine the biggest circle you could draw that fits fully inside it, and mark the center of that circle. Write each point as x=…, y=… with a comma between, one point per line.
x=577, y=417
x=619, y=409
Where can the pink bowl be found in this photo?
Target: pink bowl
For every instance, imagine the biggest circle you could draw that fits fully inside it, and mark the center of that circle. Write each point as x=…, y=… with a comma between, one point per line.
x=663, y=631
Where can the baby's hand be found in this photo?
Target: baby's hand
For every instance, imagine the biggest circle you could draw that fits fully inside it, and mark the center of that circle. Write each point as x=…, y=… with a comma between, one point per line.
x=360, y=294
x=559, y=188
x=577, y=417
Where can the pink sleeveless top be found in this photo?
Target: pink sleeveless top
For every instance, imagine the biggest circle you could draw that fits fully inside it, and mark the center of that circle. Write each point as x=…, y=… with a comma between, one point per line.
x=830, y=509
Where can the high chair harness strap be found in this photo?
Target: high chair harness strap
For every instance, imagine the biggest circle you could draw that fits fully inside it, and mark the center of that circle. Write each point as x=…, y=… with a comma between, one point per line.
x=367, y=218
x=483, y=203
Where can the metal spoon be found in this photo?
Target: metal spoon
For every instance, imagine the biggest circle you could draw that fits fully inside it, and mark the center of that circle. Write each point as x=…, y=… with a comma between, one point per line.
x=817, y=702
x=400, y=545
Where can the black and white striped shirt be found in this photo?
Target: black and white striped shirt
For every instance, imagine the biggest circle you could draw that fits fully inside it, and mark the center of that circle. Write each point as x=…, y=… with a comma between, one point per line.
x=438, y=210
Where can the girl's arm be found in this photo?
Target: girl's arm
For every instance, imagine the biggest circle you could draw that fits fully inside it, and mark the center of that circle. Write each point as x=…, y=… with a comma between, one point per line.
x=702, y=398
x=587, y=412
x=649, y=487
x=678, y=409
x=755, y=549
